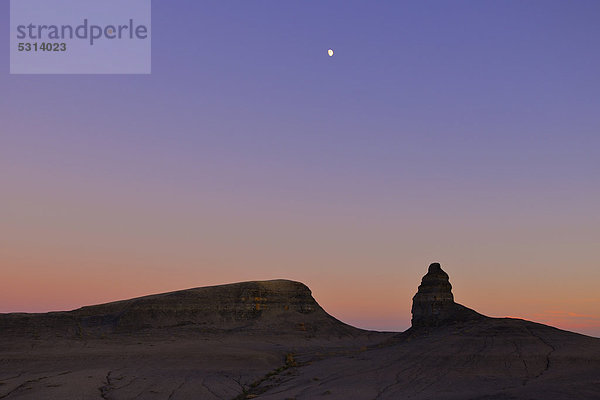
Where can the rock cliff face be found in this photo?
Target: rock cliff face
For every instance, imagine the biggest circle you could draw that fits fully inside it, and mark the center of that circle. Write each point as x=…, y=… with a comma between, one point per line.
x=256, y=304
x=434, y=305
x=277, y=306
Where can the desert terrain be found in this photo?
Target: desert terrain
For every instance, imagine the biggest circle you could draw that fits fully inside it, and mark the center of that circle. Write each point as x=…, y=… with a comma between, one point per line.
x=272, y=340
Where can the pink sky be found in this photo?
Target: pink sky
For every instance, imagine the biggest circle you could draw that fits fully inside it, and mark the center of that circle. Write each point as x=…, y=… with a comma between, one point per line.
x=466, y=135
x=68, y=248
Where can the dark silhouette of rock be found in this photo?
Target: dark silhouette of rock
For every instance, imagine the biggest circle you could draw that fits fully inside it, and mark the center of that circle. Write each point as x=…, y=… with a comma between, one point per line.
x=259, y=306
x=271, y=340
x=434, y=305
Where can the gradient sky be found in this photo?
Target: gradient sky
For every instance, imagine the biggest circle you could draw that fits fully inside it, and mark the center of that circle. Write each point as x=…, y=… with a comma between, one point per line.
x=464, y=132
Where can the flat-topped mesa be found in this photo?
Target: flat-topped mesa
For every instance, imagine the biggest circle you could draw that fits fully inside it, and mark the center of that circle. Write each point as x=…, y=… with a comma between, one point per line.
x=268, y=307
x=276, y=304
x=434, y=305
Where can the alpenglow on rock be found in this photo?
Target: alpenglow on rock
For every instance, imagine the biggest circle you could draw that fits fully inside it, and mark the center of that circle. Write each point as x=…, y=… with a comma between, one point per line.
x=434, y=305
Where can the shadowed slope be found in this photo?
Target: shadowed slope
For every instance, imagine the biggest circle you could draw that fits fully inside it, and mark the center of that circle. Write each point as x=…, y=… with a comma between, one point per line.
x=275, y=306
x=453, y=352
x=209, y=343
x=271, y=340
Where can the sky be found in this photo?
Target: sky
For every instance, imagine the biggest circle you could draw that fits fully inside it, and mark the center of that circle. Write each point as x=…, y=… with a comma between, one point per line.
x=463, y=132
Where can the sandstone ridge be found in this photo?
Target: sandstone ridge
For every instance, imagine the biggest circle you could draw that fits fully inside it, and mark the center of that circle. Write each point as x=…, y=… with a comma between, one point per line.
x=275, y=306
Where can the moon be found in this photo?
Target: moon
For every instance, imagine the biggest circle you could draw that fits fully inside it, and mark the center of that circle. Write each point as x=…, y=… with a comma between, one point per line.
x=330, y=52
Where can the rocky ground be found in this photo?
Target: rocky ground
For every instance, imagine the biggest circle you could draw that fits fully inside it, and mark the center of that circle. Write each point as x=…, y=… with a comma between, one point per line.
x=271, y=340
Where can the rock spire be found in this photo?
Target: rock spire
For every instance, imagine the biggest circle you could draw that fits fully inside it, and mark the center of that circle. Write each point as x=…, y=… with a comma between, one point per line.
x=434, y=305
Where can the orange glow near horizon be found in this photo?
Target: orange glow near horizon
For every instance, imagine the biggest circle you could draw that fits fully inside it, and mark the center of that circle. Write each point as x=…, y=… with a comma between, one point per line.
x=379, y=303
x=432, y=135
x=64, y=248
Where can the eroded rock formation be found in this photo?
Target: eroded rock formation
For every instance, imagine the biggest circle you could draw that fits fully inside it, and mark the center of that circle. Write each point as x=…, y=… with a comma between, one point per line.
x=434, y=305
x=279, y=306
